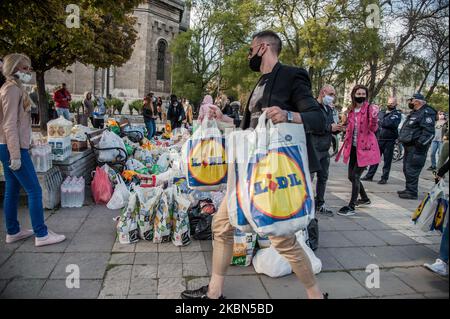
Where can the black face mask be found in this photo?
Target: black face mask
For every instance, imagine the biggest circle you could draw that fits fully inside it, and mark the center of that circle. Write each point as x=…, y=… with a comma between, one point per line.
x=359, y=100
x=411, y=106
x=391, y=107
x=255, y=62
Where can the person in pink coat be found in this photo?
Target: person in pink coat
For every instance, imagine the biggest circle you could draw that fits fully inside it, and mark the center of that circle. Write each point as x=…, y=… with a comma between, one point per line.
x=360, y=148
x=210, y=111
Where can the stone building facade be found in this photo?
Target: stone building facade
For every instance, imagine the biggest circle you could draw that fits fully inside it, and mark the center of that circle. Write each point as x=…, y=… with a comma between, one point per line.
x=148, y=70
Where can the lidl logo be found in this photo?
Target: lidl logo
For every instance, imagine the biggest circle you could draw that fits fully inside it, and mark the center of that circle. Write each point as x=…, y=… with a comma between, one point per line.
x=277, y=185
x=208, y=162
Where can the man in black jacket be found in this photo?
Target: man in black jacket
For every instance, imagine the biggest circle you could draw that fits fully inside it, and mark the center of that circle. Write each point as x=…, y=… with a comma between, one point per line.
x=322, y=142
x=285, y=92
x=388, y=122
x=175, y=114
x=416, y=136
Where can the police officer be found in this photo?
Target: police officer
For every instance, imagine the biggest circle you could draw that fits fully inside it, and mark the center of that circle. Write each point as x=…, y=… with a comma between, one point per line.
x=416, y=136
x=388, y=122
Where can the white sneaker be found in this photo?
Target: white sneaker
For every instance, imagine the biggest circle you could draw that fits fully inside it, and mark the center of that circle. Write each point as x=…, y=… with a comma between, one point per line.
x=438, y=267
x=50, y=239
x=19, y=236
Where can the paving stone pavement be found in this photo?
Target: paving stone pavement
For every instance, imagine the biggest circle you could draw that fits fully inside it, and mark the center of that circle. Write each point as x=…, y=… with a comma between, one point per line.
x=381, y=235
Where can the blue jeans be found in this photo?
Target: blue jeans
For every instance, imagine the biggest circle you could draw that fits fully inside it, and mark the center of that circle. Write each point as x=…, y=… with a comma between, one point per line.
x=24, y=177
x=63, y=112
x=435, y=148
x=443, y=252
x=151, y=128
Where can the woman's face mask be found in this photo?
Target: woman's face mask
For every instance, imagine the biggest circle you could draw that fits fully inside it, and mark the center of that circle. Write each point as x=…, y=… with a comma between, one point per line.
x=23, y=77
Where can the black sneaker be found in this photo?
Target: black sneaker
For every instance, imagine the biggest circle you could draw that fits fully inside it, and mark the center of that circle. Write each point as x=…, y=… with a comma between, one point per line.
x=322, y=210
x=382, y=182
x=363, y=202
x=407, y=196
x=346, y=211
x=402, y=192
x=367, y=179
x=431, y=168
x=200, y=293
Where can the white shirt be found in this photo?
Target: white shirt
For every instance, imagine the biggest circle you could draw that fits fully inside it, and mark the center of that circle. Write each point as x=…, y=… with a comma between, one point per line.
x=355, y=130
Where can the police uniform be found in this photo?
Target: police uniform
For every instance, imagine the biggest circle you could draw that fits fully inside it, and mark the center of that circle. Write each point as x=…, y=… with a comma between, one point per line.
x=416, y=136
x=388, y=123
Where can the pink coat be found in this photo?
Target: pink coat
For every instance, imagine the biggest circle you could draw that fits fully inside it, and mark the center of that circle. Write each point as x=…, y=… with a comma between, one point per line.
x=367, y=149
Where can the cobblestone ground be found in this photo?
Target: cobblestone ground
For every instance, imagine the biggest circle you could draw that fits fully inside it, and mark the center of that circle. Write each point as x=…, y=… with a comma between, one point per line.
x=381, y=234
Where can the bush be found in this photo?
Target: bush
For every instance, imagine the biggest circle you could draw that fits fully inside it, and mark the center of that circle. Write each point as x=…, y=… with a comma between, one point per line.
x=75, y=106
x=51, y=103
x=115, y=104
x=137, y=105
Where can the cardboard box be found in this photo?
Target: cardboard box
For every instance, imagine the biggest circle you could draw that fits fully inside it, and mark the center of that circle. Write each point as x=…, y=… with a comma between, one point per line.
x=78, y=146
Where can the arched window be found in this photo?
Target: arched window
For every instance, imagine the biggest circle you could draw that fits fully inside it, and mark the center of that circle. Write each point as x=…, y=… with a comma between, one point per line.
x=161, y=60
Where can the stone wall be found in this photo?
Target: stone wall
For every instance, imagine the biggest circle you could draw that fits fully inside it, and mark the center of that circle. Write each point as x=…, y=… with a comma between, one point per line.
x=156, y=21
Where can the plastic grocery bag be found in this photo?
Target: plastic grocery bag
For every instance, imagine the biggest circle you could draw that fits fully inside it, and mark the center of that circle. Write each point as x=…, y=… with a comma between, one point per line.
x=243, y=248
x=238, y=154
x=180, y=223
x=127, y=228
x=205, y=159
x=269, y=262
x=108, y=140
x=134, y=165
x=101, y=187
x=120, y=196
x=263, y=242
x=163, y=162
x=280, y=196
x=113, y=176
x=148, y=199
x=163, y=219
x=431, y=213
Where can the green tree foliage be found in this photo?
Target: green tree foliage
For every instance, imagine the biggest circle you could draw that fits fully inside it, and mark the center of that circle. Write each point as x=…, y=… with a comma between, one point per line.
x=440, y=99
x=38, y=28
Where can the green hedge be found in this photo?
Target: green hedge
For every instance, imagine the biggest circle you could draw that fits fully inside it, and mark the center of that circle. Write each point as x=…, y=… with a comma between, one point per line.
x=75, y=106
x=137, y=105
x=115, y=104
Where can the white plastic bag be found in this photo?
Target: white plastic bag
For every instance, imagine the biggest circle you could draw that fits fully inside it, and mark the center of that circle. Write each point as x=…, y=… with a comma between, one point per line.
x=426, y=215
x=109, y=139
x=149, y=199
x=181, y=235
x=127, y=228
x=163, y=162
x=163, y=226
x=269, y=262
x=134, y=165
x=120, y=196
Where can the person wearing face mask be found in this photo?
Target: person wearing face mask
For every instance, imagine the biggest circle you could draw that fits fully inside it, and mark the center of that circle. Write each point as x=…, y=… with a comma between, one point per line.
x=436, y=146
x=416, y=136
x=175, y=114
x=360, y=148
x=322, y=143
x=285, y=93
x=388, y=122
x=15, y=133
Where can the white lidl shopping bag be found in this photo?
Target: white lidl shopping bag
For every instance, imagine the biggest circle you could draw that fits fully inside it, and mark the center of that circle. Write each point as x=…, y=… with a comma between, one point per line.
x=280, y=196
x=431, y=214
x=204, y=158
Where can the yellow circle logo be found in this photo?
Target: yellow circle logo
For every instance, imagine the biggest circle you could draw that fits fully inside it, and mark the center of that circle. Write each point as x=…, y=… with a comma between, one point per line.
x=208, y=162
x=277, y=186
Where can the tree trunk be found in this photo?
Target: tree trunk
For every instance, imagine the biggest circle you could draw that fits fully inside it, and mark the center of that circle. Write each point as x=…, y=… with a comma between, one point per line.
x=43, y=103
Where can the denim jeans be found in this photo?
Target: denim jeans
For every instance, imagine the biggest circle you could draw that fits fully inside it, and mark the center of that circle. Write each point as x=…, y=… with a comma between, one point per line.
x=64, y=112
x=443, y=252
x=151, y=128
x=435, y=148
x=24, y=177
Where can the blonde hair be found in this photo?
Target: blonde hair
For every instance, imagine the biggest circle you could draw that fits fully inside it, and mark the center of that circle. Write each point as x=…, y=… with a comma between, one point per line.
x=12, y=61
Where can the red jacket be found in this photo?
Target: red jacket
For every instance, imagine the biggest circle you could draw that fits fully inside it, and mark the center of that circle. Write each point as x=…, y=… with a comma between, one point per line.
x=367, y=149
x=62, y=98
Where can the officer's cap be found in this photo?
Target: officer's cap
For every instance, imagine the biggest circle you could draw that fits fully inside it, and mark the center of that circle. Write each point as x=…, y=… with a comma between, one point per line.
x=417, y=96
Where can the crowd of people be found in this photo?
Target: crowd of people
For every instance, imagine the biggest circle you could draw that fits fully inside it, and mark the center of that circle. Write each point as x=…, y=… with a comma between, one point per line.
x=285, y=94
